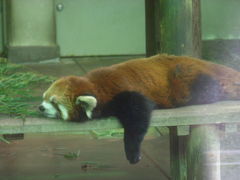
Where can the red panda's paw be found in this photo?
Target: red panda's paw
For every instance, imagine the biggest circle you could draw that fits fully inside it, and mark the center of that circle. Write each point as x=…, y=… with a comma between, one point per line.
x=132, y=143
x=133, y=110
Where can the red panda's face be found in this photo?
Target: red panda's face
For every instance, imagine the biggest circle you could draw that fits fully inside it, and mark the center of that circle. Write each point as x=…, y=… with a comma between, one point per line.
x=69, y=98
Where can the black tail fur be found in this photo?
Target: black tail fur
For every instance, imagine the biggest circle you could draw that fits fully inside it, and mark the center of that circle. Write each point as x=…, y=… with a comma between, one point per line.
x=134, y=112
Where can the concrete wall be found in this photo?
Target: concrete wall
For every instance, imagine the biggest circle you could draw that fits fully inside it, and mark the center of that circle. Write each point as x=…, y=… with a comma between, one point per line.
x=101, y=27
x=94, y=27
x=31, y=33
x=109, y=27
x=31, y=22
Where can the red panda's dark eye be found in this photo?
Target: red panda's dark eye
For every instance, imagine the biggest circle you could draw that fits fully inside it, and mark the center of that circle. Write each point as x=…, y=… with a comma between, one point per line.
x=83, y=104
x=55, y=105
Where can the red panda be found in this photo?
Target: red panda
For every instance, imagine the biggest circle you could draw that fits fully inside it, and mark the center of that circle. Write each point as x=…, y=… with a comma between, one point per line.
x=132, y=89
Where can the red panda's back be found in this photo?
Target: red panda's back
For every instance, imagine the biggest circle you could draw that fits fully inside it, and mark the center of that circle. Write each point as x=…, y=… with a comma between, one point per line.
x=147, y=76
x=165, y=79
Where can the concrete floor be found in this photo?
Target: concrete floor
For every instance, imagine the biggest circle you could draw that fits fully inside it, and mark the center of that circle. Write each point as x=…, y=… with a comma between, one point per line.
x=41, y=157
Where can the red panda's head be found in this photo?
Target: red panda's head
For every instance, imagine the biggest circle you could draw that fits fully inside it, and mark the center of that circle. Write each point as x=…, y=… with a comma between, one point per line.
x=69, y=98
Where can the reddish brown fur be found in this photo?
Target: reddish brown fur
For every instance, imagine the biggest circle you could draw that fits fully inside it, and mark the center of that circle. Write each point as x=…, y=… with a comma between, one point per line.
x=165, y=79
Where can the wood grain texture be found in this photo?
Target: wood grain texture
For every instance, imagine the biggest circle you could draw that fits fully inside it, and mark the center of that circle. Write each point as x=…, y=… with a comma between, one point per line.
x=221, y=112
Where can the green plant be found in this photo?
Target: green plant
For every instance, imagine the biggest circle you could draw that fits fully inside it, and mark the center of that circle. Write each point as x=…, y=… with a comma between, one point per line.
x=16, y=89
x=4, y=140
x=72, y=155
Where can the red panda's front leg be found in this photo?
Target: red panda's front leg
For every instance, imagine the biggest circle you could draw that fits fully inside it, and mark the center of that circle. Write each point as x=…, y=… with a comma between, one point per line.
x=133, y=110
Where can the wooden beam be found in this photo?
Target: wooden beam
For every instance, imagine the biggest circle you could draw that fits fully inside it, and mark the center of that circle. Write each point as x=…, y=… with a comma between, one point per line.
x=221, y=112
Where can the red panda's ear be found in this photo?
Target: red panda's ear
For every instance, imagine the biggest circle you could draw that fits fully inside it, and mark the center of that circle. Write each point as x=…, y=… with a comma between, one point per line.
x=88, y=103
x=53, y=99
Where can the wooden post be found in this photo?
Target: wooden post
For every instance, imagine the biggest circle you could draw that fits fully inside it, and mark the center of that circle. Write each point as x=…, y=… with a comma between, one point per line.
x=178, y=161
x=196, y=29
x=152, y=28
x=173, y=27
x=203, y=153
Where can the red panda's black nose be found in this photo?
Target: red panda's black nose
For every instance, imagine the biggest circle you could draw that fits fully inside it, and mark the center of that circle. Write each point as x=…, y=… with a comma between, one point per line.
x=41, y=108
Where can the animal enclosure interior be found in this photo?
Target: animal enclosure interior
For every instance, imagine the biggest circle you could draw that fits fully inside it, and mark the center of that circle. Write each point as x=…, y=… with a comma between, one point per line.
x=42, y=41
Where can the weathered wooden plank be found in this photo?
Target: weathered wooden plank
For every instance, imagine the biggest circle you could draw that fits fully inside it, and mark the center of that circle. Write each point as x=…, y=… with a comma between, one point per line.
x=183, y=130
x=221, y=112
x=33, y=125
x=231, y=128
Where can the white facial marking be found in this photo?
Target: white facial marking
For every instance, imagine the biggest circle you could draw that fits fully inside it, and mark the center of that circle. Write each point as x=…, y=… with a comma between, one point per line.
x=88, y=103
x=44, y=94
x=64, y=112
x=89, y=114
x=52, y=98
x=50, y=111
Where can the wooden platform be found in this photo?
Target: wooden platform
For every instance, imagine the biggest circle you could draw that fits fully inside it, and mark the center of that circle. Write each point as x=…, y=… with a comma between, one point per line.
x=194, y=134
x=221, y=112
